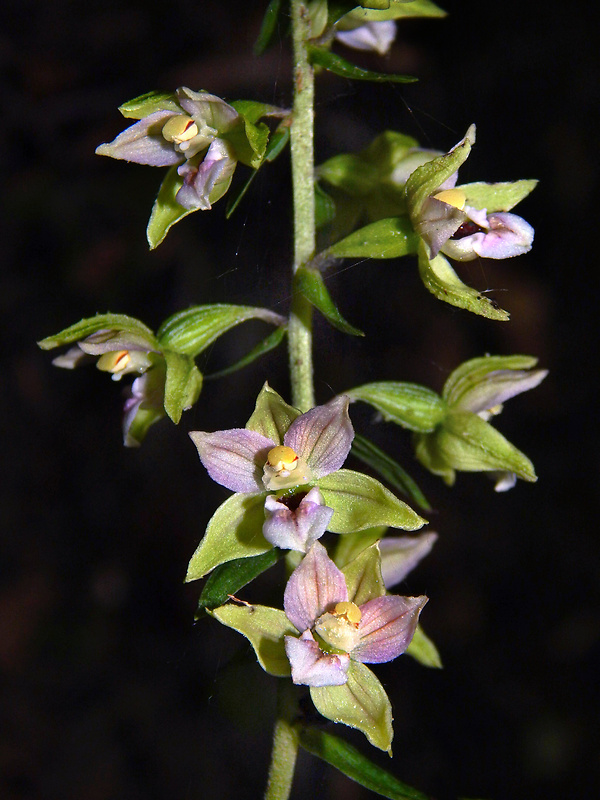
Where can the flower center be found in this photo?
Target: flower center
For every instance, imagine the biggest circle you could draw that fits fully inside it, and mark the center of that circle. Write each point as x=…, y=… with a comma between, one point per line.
x=179, y=129
x=121, y=362
x=452, y=197
x=339, y=628
x=284, y=468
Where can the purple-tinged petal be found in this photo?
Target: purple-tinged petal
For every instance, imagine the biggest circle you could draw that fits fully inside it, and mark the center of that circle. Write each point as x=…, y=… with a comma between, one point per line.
x=296, y=529
x=438, y=221
x=504, y=480
x=508, y=235
x=323, y=436
x=373, y=36
x=233, y=458
x=387, y=626
x=207, y=110
x=108, y=341
x=144, y=407
x=311, y=666
x=200, y=181
x=314, y=586
x=143, y=143
x=71, y=359
x=401, y=554
x=497, y=387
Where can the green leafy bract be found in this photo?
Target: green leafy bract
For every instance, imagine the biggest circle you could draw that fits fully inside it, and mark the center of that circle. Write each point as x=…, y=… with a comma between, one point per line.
x=234, y=531
x=148, y=103
x=183, y=384
x=361, y=502
x=166, y=211
x=193, y=330
x=360, y=703
x=264, y=628
x=387, y=238
x=354, y=765
x=408, y=404
x=322, y=57
x=229, y=578
x=86, y=327
x=310, y=283
x=268, y=27
x=268, y=343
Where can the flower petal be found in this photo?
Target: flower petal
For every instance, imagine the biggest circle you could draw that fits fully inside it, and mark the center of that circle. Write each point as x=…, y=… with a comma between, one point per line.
x=387, y=627
x=401, y=554
x=375, y=36
x=499, y=386
x=298, y=529
x=311, y=666
x=438, y=221
x=207, y=109
x=107, y=341
x=314, y=586
x=199, y=182
x=323, y=436
x=233, y=458
x=143, y=143
x=508, y=236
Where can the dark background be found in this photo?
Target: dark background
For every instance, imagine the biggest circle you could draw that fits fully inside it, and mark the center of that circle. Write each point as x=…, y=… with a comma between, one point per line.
x=109, y=688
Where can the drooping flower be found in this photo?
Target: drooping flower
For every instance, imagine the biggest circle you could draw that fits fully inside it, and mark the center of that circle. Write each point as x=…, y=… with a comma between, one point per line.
x=333, y=629
x=186, y=129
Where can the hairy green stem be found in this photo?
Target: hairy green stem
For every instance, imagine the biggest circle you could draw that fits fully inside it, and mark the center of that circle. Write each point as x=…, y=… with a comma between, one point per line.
x=285, y=745
x=302, y=147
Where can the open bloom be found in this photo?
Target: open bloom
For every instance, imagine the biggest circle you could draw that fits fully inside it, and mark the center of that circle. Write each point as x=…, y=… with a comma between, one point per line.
x=448, y=225
x=333, y=629
x=315, y=445
x=122, y=353
x=187, y=132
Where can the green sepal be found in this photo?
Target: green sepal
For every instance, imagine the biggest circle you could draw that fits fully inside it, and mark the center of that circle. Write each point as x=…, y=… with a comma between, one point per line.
x=423, y=650
x=324, y=207
x=322, y=57
x=360, y=703
x=398, y=9
x=310, y=283
x=264, y=628
x=349, y=546
x=272, y=416
x=86, y=327
x=249, y=141
x=354, y=765
x=387, y=238
x=148, y=103
x=463, y=379
x=140, y=425
x=497, y=196
x=467, y=443
x=426, y=179
x=166, y=211
x=363, y=576
x=193, y=330
x=234, y=531
x=183, y=384
x=361, y=502
x=408, y=404
x=268, y=27
x=351, y=172
x=229, y=578
x=428, y=454
x=389, y=469
x=443, y=282
x=268, y=343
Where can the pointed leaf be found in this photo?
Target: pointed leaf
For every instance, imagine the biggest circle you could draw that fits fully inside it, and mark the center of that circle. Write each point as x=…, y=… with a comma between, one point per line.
x=183, y=384
x=267, y=344
x=363, y=576
x=360, y=502
x=231, y=577
x=387, y=238
x=398, y=9
x=339, y=66
x=443, y=282
x=423, y=650
x=148, y=103
x=193, y=330
x=408, y=404
x=272, y=416
x=268, y=27
x=497, y=196
x=166, y=211
x=234, y=531
x=389, y=469
x=264, y=628
x=86, y=327
x=349, y=761
x=360, y=703
x=309, y=282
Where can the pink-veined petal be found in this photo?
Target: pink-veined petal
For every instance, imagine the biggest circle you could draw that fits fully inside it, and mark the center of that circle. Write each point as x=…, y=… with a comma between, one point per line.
x=234, y=458
x=313, y=588
x=386, y=628
x=311, y=666
x=401, y=554
x=298, y=529
x=376, y=36
x=143, y=143
x=323, y=436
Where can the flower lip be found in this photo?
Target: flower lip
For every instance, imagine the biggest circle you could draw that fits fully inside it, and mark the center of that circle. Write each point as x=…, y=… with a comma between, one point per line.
x=179, y=129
